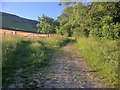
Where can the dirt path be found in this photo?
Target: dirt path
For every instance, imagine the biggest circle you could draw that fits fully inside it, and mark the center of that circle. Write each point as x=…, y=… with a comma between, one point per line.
x=67, y=70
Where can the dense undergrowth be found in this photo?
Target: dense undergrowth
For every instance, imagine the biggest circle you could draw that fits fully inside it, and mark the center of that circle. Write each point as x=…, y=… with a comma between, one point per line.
x=102, y=57
x=29, y=54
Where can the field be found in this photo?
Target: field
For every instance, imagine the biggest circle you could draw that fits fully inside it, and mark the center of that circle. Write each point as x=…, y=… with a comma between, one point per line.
x=9, y=33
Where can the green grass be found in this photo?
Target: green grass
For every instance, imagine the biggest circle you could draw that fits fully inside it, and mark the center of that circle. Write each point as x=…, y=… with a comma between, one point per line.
x=102, y=57
x=30, y=54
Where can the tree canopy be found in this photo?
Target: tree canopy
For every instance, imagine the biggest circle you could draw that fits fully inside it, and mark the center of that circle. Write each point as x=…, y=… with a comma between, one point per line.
x=97, y=20
x=47, y=25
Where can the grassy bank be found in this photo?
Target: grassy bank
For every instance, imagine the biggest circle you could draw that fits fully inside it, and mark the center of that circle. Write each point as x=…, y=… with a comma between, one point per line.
x=29, y=54
x=102, y=57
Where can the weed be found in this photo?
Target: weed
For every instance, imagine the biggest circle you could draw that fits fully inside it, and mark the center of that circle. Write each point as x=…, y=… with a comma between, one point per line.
x=101, y=56
x=31, y=55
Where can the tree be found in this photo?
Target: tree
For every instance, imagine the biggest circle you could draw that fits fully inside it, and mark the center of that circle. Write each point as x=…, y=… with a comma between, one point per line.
x=47, y=25
x=68, y=11
x=99, y=20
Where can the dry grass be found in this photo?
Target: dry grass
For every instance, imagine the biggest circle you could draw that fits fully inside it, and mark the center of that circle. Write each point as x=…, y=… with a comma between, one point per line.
x=9, y=33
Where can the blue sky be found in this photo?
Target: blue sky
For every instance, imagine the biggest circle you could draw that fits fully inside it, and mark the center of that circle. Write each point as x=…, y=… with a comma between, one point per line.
x=31, y=10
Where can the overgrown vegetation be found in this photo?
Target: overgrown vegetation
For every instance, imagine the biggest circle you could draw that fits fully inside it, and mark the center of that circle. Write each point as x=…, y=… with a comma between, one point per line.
x=29, y=54
x=100, y=23
x=95, y=27
x=102, y=57
x=99, y=20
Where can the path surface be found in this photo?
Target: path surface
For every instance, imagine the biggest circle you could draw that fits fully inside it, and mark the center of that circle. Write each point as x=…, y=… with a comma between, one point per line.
x=67, y=70
x=70, y=71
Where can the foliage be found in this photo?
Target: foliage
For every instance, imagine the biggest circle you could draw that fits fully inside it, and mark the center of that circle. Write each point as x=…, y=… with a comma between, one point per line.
x=99, y=20
x=47, y=25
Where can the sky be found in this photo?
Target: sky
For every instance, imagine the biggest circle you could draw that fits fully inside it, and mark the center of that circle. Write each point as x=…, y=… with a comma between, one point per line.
x=31, y=10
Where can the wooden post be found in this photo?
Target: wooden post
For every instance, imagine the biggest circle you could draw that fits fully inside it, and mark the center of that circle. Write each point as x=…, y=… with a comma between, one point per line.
x=12, y=33
x=48, y=35
x=4, y=34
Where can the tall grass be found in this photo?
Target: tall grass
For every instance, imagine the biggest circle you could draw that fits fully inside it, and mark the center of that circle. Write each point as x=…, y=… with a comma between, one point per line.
x=8, y=62
x=29, y=54
x=102, y=57
x=55, y=42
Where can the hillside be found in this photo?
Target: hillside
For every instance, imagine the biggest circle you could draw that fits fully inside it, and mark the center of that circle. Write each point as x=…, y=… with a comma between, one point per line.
x=10, y=21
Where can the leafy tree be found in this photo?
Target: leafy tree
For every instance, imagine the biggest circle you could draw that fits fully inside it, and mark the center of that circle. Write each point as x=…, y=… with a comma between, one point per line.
x=47, y=25
x=98, y=19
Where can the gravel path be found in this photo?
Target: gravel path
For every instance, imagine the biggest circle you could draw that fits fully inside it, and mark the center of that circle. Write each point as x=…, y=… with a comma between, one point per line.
x=70, y=71
x=67, y=70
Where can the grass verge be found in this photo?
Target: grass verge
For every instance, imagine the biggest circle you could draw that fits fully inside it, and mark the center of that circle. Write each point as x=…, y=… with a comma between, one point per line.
x=102, y=57
x=29, y=54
